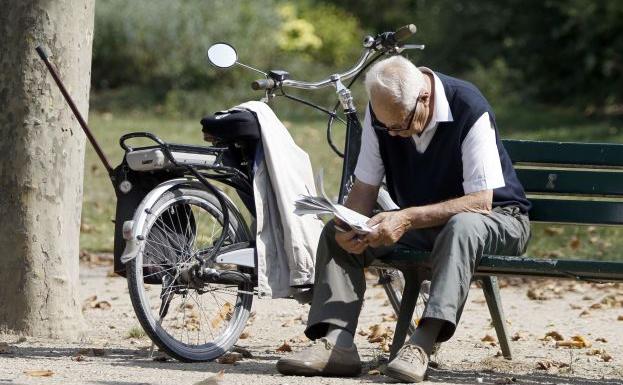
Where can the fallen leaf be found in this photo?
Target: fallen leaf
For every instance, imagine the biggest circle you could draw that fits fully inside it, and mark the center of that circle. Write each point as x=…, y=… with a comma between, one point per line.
x=620, y=318
x=212, y=380
x=546, y=365
x=390, y=318
x=575, y=307
x=78, y=358
x=104, y=305
x=364, y=333
x=601, y=339
x=5, y=348
x=39, y=373
x=585, y=313
x=488, y=338
x=606, y=357
x=377, y=339
x=284, y=348
x=596, y=306
x=574, y=243
x=246, y=353
x=517, y=336
x=554, y=335
x=98, y=352
x=223, y=315
x=374, y=372
x=577, y=342
x=229, y=358
x=244, y=335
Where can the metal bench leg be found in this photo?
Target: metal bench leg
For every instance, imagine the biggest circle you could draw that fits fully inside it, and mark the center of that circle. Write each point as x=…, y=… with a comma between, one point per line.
x=494, y=302
x=407, y=306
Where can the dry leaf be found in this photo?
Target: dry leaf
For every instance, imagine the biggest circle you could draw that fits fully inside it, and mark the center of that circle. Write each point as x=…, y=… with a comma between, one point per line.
x=620, y=318
x=5, y=348
x=516, y=337
x=575, y=307
x=284, y=348
x=223, y=315
x=104, y=305
x=596, y=306
x=374, y=372
x=554, y=335
x=606, y=357
x=245, y=352
x=364, y=333
x=601, y=339
x=287, y=323
x=546, y=365
x=488, y=338
x=229, y=358
x=212, y=380
x=78, y=358
x=390, y=318
x=575, y=342
x=39, y=373
x=585, y=313
x=244, y=335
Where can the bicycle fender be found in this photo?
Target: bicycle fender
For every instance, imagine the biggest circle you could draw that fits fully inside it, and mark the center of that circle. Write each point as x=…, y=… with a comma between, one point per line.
x=133, y=230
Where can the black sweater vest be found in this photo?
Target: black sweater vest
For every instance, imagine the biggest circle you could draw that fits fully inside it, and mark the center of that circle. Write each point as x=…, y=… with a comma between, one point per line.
x=436, y=175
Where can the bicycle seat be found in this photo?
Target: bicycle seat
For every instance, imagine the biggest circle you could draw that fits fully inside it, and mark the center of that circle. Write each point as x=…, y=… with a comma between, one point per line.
x=232, y=125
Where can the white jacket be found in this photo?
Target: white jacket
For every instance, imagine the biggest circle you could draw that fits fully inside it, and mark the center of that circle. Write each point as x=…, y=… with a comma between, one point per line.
x=286, y=243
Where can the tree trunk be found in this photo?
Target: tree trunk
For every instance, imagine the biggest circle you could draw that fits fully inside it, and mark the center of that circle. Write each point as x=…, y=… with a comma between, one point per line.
x=41, y=164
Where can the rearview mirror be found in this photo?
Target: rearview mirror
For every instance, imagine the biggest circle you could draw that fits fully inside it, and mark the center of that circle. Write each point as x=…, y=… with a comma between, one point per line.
x=222, y=55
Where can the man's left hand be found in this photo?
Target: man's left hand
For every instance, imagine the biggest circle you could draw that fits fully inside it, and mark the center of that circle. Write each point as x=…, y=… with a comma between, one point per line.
x=391, y=226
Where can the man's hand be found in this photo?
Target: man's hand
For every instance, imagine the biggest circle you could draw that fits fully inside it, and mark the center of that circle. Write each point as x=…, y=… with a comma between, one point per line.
x=349, y=240
x=391, y=226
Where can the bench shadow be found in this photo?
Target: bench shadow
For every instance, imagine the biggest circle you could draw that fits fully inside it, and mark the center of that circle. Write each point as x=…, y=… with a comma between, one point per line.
x=260, y=363
x=496, y=378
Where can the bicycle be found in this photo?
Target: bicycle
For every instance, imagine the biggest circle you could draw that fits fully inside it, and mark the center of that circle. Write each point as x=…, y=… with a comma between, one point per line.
x=176, y=229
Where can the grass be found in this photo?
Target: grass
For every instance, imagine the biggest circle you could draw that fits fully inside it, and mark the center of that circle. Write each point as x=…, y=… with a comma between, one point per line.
x=309, y=133
x=136, y=332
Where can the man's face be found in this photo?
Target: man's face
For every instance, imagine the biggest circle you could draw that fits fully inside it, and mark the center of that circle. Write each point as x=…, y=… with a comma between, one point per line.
x=401, y=122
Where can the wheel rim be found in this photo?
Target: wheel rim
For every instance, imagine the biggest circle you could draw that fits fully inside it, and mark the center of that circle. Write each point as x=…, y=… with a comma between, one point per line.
x=197, y=322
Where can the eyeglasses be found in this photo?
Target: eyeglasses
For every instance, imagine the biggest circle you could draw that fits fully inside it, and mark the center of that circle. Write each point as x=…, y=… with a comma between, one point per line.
x=397, y=128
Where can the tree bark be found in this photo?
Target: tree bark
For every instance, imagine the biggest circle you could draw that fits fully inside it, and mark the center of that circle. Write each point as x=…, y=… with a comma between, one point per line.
x=41, y=164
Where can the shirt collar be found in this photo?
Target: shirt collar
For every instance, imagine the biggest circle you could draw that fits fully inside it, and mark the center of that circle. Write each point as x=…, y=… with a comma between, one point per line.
x=441, y=112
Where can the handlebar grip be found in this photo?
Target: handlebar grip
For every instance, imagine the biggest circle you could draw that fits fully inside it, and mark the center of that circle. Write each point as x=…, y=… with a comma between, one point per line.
x=263, y=84
x=403, y=33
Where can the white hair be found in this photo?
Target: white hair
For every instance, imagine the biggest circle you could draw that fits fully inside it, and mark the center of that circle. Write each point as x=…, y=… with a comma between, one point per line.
x=396, y=80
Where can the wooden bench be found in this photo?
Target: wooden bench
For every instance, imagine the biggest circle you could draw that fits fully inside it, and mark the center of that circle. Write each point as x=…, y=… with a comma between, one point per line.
x=569, y=183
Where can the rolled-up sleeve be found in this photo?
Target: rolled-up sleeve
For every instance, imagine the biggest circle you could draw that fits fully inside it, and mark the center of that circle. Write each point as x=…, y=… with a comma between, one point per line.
x=482, y=169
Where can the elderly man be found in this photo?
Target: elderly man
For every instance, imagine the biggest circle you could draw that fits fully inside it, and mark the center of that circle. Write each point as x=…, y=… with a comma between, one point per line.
x=434, y=139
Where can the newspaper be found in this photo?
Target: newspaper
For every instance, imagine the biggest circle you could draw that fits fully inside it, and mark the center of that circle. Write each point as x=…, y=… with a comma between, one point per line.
x=318, y=205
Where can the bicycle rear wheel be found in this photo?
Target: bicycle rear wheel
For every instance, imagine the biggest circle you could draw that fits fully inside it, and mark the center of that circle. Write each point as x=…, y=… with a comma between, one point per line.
x=190, y=322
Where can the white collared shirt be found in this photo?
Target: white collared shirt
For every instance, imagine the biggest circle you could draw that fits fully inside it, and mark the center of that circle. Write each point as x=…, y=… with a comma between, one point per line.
x=482, y=169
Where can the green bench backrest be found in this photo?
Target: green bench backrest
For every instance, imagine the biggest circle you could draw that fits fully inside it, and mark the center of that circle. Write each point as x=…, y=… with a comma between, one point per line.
x=571, y=182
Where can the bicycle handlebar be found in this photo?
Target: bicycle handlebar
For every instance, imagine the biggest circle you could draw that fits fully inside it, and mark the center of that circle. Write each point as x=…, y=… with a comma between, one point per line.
x=382, y=43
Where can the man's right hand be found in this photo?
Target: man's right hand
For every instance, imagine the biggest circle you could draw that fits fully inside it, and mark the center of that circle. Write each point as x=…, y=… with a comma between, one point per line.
x=350, y=240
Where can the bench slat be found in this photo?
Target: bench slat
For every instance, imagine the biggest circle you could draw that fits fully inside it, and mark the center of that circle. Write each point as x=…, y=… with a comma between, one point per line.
x=571, y=181
x=576, y=211
x=405, y=258
x=596, y=154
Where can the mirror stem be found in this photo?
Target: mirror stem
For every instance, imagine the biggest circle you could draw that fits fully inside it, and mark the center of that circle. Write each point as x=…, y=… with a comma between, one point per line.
x=251, y=68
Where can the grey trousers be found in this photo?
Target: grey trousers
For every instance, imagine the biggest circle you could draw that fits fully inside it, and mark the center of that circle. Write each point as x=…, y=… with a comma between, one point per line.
x=455, y=249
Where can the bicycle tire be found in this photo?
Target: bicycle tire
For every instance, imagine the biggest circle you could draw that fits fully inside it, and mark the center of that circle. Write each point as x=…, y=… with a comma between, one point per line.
x=237, y=314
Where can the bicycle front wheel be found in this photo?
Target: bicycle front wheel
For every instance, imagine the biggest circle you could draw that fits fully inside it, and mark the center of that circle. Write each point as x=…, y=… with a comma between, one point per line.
x=190, y=322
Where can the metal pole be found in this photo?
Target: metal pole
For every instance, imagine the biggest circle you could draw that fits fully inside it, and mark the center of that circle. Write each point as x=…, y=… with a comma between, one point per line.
x=74, y=109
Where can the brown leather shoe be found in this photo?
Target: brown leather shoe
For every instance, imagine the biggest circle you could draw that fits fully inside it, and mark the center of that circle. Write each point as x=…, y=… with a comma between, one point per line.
x=322, y=359
x=409, y=365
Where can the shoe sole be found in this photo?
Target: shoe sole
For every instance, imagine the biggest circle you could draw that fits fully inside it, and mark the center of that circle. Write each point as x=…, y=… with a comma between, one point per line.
x=294, y=368
x=402, y=376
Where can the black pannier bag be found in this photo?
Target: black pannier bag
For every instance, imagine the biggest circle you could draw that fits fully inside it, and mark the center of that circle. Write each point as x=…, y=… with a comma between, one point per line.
x=158, y=252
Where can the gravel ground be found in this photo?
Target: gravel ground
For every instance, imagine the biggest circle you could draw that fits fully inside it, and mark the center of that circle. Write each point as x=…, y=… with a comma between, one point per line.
x=534, y=308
